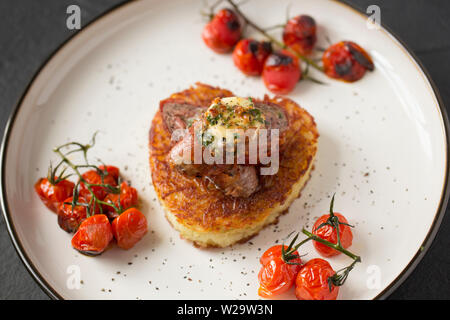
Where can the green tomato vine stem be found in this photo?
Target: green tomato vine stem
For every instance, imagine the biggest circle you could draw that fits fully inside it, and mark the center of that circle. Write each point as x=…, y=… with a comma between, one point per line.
x=335, y=246
x=94, y=202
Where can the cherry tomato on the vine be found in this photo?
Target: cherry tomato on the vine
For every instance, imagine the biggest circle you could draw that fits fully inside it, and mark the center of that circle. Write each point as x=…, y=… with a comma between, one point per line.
x=223, y=31
x=346, y=61
x=281, y=72
x=300, y=34
x=128, y=199
x=111, y=170
x=52, y=195
x=249, y=56
x=312, y=281
x=129, y=227
x=93, y=235
x=69, y=217
x=276, y=276
x=93, y=177
x=328, y=232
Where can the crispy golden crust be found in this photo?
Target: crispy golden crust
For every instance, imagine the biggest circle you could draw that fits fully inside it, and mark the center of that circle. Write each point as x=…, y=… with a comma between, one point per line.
x=195, y=208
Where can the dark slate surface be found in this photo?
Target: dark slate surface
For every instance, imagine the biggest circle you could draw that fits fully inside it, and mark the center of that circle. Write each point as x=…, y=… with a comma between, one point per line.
x=31, y=30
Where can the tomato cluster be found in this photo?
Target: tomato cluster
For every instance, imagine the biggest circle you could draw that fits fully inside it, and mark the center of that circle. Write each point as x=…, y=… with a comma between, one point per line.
x=282, y=267
x=280, y=69
x=98, y=209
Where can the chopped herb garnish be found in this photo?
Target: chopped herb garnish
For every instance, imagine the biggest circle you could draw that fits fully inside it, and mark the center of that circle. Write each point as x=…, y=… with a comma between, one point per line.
x=255, y=112
x=189, y=122
x=208, y=139
x=213, y=120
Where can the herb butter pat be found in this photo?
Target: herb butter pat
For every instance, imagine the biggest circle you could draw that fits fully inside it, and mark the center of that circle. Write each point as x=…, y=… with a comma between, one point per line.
x=227, y=115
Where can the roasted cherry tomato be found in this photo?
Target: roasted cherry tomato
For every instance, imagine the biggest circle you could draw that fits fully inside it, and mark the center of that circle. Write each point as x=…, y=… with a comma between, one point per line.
x=52, y=195
x=249, y=56
x=93, y=177
x=276, y=276
x=113, y=171
x=300, y=34
x=129, y=228
x=346, y=61
x=281, y=72
x=312, y=281
x=328, y=232
x=69, y=217
x=128, y=199
x=325, y=228
x=223, y=31
x=93, y=235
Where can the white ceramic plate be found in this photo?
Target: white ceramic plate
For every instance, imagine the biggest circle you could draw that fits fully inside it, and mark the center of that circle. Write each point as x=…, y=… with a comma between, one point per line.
x=382, y=149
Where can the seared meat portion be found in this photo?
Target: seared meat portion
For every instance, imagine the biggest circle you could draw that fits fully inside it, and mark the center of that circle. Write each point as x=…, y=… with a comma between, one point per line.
x=236, y=180
x=180, y=115
x=232, y=179
x=275, y=116
x=182, y=155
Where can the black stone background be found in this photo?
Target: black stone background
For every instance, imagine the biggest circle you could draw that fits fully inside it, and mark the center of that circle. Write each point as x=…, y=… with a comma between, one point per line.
x=31, y=30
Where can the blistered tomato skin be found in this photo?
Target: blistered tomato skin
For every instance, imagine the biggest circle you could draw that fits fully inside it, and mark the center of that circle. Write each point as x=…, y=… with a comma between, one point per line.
x=249, y=56
x=69, y=217
x=300, y=34
x=93, y=177
x=93, y=236
x=129, y=228
x=111, y=170
x=346, y=61
x=128, y=199
x=223, y=31
x=281, y=72
x=312, y=281
x=329, y=233
x=276, y=276
x=53, y=195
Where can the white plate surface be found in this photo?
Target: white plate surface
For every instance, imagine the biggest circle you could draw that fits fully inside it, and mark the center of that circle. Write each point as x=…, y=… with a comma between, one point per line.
x=382, y=149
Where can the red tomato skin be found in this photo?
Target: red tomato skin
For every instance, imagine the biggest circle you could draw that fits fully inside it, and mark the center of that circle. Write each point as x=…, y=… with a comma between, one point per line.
x=339, y=62
x=129, y=228
x=93, y=177
x=249, y=56
x=329, y=233
x=112, y=170
x=93, y=236
x=223, y=31
x=276, y=276
x=69, y=220
x=281, y=72
x=53, y=195
x=108, y=210
x=312, y=281
x=300, y=34
x=128, y=198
